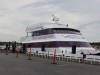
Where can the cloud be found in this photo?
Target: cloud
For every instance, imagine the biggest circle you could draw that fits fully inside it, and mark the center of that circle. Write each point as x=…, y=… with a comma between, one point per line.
x=16, y=15
x=12, y=4
x=91, y=32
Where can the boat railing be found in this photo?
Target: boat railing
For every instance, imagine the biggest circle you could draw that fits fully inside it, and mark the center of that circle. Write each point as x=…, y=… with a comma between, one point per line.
x=26, y=38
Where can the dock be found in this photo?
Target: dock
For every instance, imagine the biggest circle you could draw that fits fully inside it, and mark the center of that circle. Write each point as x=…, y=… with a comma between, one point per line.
x=10, y=65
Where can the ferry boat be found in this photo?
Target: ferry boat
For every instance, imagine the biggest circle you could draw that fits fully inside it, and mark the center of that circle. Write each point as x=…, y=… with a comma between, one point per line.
x=46, y=37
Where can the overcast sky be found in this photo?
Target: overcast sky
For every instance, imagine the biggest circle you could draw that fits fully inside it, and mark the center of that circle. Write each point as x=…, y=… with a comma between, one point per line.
x=16, y=15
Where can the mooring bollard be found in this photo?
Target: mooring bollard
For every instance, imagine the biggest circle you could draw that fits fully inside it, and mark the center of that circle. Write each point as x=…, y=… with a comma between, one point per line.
x=54, y=58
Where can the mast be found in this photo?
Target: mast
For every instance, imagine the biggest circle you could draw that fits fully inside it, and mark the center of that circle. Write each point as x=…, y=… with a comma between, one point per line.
x=55, y=19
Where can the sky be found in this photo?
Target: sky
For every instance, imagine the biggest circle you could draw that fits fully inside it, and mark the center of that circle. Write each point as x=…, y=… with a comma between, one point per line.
x=16, y=15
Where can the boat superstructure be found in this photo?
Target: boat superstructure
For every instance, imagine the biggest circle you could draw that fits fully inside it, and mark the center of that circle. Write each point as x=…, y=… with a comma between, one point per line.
x=50, y=36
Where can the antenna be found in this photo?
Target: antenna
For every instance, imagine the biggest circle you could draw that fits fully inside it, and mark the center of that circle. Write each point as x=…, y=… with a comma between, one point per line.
x=55, y=19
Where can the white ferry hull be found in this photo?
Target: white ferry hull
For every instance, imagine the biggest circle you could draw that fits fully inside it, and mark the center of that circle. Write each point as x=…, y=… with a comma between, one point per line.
x=58, y=34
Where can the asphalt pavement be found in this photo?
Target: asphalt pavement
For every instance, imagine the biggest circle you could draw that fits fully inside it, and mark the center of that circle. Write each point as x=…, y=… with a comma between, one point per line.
x=10, y=65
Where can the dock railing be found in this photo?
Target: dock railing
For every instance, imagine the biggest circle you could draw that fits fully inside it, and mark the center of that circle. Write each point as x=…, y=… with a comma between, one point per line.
x=73, y=57
x=92, y=59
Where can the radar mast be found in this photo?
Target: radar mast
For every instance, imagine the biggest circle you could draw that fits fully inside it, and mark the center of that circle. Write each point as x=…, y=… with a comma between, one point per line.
x=55, y=19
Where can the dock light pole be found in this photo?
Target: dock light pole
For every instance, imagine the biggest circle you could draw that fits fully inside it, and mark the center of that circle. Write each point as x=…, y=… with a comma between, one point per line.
x=54, y=58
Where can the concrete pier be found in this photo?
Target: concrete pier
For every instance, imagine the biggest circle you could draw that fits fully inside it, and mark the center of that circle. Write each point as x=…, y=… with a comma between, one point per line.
x=10, y=65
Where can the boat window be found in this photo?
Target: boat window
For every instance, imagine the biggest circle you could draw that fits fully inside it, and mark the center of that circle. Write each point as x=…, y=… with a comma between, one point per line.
x=46, y=31
x=39, y=32
x=65, y=31
x=61, y=44
x=28, y=45
x=36, y=33
x=51, y=44
x=54, y=31
x=65, y=44
x=62, y=31
x=34, y=45
x=33, y=34
x=70, y=43
x=50, y=31
x=31, y=44
x=58, y=31
x=68, y=31
x=43, y=32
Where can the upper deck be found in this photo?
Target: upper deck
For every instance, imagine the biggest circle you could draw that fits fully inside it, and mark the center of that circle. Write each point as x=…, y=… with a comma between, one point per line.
x=42, y=26
x=51, y=32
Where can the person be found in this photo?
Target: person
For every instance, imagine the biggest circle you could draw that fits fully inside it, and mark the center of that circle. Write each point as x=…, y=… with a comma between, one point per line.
x=65, y=51
x=18, y=48
x=84, y=56
x=62, y=51
x=82, y=53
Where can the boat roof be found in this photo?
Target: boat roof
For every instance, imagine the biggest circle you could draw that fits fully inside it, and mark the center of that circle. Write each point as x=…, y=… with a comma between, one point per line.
x=42, y=26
